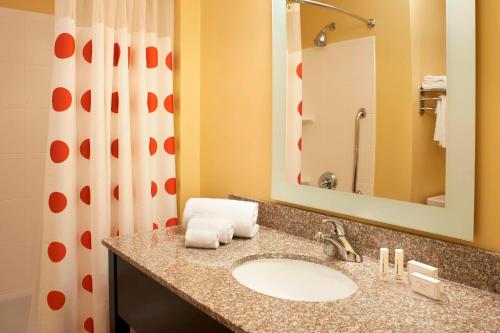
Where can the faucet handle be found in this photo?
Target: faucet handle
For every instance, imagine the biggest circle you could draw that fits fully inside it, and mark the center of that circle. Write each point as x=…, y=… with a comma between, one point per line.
x=338, y=227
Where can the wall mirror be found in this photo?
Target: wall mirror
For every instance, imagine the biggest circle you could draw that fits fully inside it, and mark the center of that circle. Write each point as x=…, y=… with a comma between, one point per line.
x=374, y=110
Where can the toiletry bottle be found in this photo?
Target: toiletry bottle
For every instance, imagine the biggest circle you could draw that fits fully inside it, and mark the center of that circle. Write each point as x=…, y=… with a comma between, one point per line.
x=398, y=263
x=384, y=263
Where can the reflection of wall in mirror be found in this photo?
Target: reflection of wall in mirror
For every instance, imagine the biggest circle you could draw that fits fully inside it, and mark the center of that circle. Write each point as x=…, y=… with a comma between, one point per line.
x=409, y=165
x=428, y=22
x=339, y=80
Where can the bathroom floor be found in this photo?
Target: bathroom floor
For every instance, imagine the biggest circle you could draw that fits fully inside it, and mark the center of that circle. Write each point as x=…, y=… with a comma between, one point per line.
x=14, y=315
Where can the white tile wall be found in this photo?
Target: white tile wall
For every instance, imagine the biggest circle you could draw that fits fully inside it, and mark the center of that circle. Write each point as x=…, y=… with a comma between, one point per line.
x=338, y=80
x=25, y=59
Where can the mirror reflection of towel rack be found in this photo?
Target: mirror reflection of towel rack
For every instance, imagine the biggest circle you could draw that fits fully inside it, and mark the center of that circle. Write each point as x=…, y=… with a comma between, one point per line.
x=423, y=99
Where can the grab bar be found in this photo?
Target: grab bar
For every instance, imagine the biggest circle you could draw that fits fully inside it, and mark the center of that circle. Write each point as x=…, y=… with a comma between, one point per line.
x=360, y=115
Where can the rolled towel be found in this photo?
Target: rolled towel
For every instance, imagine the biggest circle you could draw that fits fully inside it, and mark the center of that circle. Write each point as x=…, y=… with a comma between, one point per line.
x=224, y=227
x=203, y=239
x=254, y=231
x=242, y=213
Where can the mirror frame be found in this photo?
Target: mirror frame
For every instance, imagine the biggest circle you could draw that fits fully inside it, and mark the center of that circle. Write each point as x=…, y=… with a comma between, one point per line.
x=457, y=218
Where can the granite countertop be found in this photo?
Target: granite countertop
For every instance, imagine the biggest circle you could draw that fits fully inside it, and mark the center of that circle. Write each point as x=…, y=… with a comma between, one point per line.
x=203, y=278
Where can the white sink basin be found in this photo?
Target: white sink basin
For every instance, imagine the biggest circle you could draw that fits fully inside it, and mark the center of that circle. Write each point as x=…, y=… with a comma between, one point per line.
x=294, y=280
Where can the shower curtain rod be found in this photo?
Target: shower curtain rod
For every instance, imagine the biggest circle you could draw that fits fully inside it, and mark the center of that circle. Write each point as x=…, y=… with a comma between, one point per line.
x=370, y=22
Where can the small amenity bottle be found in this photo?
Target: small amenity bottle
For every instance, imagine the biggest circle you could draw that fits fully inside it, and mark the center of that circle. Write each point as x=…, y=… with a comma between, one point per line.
x=398, y=263
x=384, y=263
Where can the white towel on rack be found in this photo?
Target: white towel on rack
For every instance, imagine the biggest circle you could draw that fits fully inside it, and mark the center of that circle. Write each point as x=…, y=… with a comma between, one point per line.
x=434, y=85
x=435, y=82
x=435, y=78
x=440, y=130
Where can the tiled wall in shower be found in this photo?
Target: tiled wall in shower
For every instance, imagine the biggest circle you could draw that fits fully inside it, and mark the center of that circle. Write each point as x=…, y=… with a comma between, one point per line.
x=338, y=80
x=25, y=58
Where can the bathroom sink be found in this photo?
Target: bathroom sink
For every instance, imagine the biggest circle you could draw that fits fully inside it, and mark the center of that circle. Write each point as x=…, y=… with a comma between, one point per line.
x=294, y=280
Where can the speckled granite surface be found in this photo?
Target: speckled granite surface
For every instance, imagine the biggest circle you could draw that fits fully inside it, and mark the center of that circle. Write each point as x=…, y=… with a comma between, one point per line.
x=203, y=278
x=459, y=263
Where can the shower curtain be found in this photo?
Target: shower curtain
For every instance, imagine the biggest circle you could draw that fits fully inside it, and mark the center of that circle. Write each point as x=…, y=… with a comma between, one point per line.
x=294, y=96
x=111, y=163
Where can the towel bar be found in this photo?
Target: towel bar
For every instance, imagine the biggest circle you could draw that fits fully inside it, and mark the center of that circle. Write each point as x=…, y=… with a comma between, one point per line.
x=423, y=108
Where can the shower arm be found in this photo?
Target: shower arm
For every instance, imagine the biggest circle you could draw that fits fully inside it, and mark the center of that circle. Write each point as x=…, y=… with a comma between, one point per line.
x=370, y=22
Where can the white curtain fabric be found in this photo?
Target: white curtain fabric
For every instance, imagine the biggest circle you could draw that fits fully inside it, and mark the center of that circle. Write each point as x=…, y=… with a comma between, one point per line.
x=111, y=167
x=294, y=96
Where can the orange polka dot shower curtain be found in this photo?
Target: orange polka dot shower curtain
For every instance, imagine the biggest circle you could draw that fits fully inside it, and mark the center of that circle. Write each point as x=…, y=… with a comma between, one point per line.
x=111, y=166
x=294, y=97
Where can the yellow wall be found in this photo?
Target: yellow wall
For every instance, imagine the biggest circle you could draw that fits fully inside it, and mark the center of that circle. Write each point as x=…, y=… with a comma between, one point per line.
x=236, y=98
x=187, y=98
x=487, y=225
x=41, y=6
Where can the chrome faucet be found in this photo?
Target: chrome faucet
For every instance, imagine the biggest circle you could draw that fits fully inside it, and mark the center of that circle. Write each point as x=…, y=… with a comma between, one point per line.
x=336, y=243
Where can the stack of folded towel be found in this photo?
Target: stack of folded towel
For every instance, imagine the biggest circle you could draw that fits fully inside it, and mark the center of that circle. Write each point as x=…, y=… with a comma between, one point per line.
x=210, y=222
x=435, y=82
x=438, y=82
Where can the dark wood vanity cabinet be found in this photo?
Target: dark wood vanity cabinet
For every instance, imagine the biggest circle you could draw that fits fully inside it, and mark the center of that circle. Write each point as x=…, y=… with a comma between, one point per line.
x=138, y=301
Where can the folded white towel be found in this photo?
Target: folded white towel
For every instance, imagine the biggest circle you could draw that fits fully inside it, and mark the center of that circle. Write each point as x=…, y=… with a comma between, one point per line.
x=435, y=82
x=204, y=239
x=435, y=85
x=224, y=227
x=242, y=213
x=435, y=78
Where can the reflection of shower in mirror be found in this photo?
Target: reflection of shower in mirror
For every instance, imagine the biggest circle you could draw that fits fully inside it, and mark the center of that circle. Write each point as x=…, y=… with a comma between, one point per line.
x=339, y=63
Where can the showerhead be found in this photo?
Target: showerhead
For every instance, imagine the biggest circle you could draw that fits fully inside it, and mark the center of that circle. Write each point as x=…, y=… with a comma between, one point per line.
x=321, y=39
